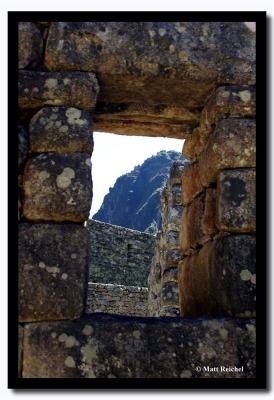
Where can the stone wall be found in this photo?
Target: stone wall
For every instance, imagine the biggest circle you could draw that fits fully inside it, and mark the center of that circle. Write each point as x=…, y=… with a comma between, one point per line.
x=117, y=299
x=163, y=278
x=153, y=79
x=119, y=255
x=217, y=275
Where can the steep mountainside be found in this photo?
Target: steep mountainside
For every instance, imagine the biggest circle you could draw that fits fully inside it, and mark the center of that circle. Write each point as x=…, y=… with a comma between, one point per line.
x=134, y=200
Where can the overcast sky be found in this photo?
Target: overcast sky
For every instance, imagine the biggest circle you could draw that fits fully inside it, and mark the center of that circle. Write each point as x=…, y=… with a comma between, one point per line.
x=115, y=155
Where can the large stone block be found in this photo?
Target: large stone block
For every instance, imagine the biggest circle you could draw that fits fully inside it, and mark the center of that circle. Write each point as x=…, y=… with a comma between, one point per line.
x=220, y=279
x=237, y=200
x=57, y=187
x=30, y=45
x=52, y=271
x=232, y=145
x=191, y=184
x=113, y=347
x=229, y=101
x=154, y=62
x=61, y=130
x=70, y=89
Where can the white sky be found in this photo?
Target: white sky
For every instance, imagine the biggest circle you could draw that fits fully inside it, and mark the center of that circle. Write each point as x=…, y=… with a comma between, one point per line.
x=115, y=155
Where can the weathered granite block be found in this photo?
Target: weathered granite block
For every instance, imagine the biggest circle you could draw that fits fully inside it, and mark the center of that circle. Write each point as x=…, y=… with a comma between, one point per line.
x=232, y=145
x=115, y=347
x=232, y=101
x=220, y=279
x=237, y=200
x=117, y=299
x=71, y=89
x=57, y=187
x=191, y=229
x=52, y=271
x=155, y=62
x=227, y=101
x=30, y=45
x=191, y=184
x=61, y=130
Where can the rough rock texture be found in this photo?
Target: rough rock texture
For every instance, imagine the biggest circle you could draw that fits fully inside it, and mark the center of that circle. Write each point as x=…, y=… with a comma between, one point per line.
x=52, y=271
x=163, y=297
x=61, y=130
x=71, y=89
x=220, y=279
x=139, y=348
x=229, y=101
x=145, y=120
x=232, y=145
x=23, y=146
x=118, y=255
x=20, y=350
x=22, y=154
x=191, y=183
x=225, y=102
x=237, y=200
x=209, y=216
x=116, y=299
x=57, y=187
x=134, y=200
x=30, y=45
x=153, y=75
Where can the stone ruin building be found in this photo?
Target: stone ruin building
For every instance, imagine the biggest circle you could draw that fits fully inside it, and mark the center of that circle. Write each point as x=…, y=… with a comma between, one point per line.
x=185, y=80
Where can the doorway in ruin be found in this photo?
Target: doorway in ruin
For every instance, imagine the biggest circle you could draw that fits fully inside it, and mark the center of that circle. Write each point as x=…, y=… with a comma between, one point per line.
x=135, y=192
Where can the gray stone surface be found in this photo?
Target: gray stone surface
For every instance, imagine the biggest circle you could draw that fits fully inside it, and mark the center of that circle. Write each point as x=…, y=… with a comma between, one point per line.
x=231, y=145
x=155, y=61
x=52, y=271
x=61, y=130
x=71, y=89
x=119, y=255
x=104, y=347
x=57, y=187
x=117, y=299
x=236, y=205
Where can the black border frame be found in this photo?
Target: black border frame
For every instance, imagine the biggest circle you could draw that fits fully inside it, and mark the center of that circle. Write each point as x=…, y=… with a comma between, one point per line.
x=260, y=382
